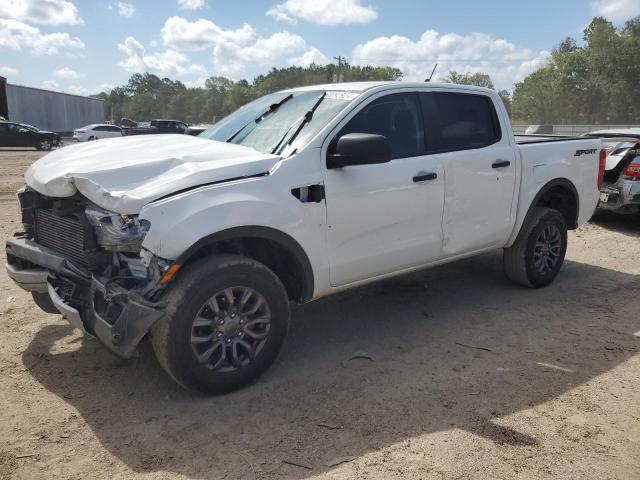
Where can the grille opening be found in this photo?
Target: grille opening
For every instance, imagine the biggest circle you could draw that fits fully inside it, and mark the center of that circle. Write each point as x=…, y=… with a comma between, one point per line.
x=64, y=235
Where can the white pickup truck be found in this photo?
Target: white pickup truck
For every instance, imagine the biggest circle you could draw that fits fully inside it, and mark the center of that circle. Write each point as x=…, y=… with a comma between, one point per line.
x=203, y=242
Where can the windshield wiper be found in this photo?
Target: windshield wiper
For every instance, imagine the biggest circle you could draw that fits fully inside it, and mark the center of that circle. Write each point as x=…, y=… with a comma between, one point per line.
x=272, y=108
x=306, y=118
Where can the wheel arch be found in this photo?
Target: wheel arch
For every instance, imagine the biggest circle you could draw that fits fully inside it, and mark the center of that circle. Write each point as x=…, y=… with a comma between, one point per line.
x=561, y=195
x=274, y=248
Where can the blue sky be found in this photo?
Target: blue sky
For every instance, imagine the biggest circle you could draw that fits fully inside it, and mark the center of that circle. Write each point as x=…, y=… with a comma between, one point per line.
x=84, y=46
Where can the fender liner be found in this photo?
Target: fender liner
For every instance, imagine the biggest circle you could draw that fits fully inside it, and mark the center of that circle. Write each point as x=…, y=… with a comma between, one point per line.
x=260, y=232
x=556, y=182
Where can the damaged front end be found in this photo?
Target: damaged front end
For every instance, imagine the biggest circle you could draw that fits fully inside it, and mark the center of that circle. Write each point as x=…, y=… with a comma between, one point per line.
x=89, y=265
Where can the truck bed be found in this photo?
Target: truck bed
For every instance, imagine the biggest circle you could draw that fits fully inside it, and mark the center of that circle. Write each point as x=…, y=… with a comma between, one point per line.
x=527, y=139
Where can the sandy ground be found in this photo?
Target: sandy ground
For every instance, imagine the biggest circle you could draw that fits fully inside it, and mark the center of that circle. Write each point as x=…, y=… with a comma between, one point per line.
x=551, y=389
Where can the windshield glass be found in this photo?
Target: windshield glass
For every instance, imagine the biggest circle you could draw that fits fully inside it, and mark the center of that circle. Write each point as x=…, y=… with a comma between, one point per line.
x=270, y=121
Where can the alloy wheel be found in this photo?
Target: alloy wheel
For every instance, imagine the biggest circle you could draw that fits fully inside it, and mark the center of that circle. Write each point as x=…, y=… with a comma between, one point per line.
x=231, y=329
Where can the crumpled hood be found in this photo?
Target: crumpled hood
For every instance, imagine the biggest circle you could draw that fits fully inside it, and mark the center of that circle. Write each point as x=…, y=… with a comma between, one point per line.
x=124, y=174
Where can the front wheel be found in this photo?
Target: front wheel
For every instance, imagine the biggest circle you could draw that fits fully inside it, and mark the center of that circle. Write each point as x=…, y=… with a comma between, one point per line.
x=538, y=253
x=44, y=144
x=226, y=319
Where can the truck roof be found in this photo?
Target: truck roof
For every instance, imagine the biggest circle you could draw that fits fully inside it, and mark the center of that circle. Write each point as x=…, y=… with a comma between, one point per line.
x=363, y=86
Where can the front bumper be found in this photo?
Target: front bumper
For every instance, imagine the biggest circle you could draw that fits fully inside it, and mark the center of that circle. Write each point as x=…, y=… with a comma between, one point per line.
x=622, y=196
x=119, y=318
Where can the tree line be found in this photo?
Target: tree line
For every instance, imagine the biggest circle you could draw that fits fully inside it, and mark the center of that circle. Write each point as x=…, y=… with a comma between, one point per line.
x=597, y=81
x=147, y=96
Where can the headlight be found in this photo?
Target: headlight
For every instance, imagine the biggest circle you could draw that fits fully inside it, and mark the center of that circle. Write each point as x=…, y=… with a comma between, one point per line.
x=115, y=232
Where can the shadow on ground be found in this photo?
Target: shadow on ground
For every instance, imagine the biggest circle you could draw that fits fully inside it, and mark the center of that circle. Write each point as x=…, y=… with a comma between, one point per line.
x=312, y=406
x=626, y=224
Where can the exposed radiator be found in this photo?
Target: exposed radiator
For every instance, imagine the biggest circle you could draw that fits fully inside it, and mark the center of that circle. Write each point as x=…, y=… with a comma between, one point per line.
x=61, y=234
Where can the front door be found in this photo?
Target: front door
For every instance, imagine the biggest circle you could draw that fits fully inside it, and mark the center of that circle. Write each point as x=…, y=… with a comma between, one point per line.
x=386, y=217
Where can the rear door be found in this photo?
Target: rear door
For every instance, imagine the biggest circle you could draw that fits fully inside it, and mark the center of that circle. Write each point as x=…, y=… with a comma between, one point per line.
x=479, y=168
x=386, y=217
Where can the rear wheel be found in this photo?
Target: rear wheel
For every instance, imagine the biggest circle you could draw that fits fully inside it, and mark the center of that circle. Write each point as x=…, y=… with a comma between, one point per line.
x=538, y=253
x=226, y=319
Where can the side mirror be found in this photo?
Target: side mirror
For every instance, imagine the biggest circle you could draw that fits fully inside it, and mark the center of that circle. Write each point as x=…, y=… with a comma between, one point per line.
x=360, y=149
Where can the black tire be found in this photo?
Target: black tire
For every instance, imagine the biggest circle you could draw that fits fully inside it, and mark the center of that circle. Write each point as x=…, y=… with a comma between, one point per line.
x=520, y=260
x=171, y=336
x=44, y=145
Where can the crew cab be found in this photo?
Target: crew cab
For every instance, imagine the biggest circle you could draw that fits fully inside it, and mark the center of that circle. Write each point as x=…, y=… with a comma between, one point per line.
x=156, y=127
x=14, y=134
x=202, y=243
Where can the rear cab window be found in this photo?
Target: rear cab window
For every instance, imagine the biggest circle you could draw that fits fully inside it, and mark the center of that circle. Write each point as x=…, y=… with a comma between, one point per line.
x=459, y=121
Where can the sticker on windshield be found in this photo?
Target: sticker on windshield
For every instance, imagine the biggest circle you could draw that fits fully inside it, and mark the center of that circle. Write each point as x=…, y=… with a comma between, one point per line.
x=341, y=95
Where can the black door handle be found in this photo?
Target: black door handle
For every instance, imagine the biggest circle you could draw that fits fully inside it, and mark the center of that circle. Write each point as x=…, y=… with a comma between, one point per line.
x=425, y=176
x=501, y=164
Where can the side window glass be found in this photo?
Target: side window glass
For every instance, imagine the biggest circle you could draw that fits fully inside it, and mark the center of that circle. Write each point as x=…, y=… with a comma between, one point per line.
x=466, y=121
x=397, y=117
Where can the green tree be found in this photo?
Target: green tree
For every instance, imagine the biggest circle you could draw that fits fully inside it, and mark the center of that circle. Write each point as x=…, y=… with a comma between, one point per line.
x=478, y=79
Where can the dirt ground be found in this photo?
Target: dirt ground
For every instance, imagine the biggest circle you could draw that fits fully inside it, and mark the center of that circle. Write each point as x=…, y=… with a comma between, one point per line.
x=469, y=377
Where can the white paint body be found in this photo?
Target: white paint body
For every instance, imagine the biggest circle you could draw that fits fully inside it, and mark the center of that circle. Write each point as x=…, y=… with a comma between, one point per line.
x=94, y=132
x=375, y=221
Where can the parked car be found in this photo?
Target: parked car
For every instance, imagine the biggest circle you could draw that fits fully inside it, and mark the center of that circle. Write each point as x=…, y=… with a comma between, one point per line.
x=539, y=130
x=196, y=129
x=203, y=242
x=96, y=132
x=157, y=126
x=14, y=134
x=620, y=191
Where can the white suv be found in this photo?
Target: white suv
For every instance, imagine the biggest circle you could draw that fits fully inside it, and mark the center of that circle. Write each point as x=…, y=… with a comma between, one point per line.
x=96, y=132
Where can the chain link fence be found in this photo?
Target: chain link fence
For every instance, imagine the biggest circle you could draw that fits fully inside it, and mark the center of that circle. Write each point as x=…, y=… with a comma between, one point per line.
x=574, y=130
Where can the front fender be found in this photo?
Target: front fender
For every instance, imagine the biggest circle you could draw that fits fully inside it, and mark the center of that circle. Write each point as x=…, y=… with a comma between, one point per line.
x=179, y=222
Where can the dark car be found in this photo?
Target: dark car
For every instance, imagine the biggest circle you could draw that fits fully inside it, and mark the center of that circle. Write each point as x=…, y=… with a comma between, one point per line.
x=19, y=135
x=157, y=126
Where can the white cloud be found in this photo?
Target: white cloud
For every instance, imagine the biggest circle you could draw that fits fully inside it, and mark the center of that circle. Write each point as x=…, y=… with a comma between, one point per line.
x=169, y=62
x=67, y=73
x=126, y=9
x=49, y=12
x=232, y=58
x=8, y=71
x=83, y=90
x=181, y=34
x=324, y=12
x=616, y=10
x=476, y=52
x=16, y=35
x=235, y=50
x=50, y=85
x=191, y=4
x=313, y=55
